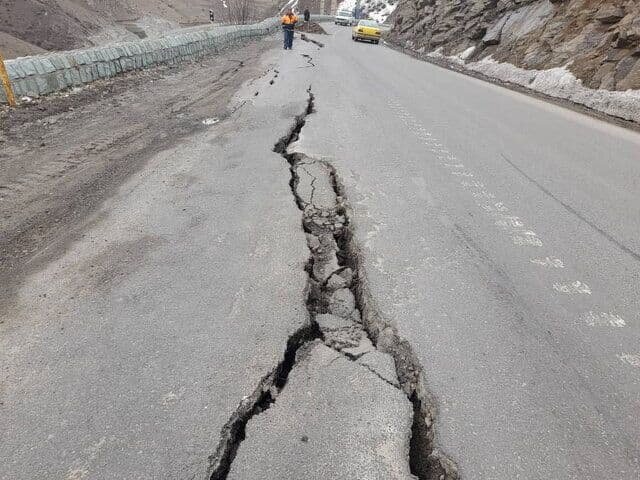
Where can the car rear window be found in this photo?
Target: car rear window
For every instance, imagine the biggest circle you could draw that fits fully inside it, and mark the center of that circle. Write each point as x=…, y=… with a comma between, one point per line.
x=367, y=23
x=344, y=13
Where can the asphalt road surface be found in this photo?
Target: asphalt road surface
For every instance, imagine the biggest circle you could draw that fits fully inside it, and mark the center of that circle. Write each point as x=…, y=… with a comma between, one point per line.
x=500, y=235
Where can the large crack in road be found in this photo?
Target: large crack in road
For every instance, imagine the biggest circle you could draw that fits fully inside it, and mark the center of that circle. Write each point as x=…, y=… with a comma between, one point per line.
x=344, y=325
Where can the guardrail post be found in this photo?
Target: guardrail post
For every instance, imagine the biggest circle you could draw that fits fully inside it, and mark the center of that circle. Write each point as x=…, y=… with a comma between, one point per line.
x=6, y=82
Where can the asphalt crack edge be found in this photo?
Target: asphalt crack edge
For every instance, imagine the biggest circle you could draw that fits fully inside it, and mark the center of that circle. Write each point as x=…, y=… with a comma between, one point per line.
x=330, y=235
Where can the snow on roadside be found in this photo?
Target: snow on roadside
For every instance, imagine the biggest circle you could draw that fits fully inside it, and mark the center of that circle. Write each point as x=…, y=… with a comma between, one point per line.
x=561, y=83
x=555, y=82
x=378, y=10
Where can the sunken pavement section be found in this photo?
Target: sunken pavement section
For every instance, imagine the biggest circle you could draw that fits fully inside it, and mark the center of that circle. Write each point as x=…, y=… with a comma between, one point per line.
x=347, y=399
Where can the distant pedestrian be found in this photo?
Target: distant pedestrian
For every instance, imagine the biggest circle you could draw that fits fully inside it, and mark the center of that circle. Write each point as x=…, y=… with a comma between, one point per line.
x=211, y=16
x=288, y=25
x=307, y=18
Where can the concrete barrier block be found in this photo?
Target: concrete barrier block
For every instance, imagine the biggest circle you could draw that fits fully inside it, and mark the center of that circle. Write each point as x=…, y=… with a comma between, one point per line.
x=14, y=70
x=44, y=66
x=74, y=74
x=61, y=79
x=19, y=85
x=106, y=53
x=82, y=58
x=84, y=72
x=65, y=61
x=42, y=85
x=56, y=61
x=127, y=64
x=93, y=56
x=29, y=67
x=95, y=72
x=31, y=87
x=53, y=82
x=102, y=71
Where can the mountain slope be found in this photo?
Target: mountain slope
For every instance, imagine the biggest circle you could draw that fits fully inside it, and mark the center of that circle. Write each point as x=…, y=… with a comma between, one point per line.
x=64, y=24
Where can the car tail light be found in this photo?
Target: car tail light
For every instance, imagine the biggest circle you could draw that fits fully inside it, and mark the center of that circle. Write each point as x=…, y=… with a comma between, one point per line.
x=376, y=33
x=360, y=30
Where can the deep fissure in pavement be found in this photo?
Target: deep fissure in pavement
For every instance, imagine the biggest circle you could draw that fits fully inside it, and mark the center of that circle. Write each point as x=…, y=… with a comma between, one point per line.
x=342, y=315
x=233, y=432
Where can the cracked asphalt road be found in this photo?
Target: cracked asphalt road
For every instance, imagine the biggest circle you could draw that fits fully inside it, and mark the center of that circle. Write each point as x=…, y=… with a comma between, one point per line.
x=499, y=235
x=125, y=354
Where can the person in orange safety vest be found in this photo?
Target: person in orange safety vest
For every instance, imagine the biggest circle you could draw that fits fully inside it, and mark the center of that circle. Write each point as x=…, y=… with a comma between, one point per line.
x=288, y=21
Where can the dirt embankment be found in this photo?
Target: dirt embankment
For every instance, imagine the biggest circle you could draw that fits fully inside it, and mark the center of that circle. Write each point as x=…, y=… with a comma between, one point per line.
x=31, y=26
x=597, y=40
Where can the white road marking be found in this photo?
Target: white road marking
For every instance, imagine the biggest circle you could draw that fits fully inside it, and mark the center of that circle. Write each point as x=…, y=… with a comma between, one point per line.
x=574, y=287
x=462, y=174
x=603, y=319
x=527, y=239
x=630, y=359
x=483, y=194
x=548, y=262
x=511, y=221
x=466, y=184
x=512, y=224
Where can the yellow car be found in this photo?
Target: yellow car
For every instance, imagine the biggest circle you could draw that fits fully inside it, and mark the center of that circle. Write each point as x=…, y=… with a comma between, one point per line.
x=366, y=30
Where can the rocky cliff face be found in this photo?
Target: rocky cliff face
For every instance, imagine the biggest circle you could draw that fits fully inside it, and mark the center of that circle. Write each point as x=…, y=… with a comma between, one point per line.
x=597, y=40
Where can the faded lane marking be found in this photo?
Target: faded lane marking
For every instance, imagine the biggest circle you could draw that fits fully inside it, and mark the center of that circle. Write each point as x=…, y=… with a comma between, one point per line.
x=512, y=224
x=574, y=287
x=630, y=359
x=528, y=238
x=603, y=319
x=548, y=262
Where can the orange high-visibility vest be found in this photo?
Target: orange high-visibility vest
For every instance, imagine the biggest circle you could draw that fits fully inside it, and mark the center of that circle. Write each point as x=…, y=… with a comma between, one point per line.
x=289, y=20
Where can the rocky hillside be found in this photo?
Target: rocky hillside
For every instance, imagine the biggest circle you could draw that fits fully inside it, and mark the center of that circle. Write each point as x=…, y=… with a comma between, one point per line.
x=597, y=40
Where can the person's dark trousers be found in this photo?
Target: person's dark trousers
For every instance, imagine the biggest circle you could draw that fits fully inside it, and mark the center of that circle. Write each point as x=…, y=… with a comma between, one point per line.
x=288, y=38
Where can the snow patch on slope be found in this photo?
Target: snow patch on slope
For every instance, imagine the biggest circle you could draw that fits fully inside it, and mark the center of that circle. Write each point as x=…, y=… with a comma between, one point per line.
x=347, y=5
x=378, y=10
